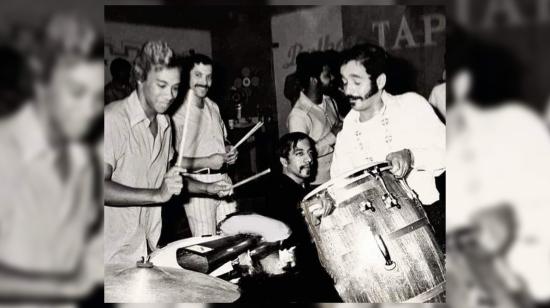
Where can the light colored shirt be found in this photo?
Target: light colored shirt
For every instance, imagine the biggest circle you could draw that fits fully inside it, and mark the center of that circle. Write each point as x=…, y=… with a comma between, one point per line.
x=44, y=220
x=317, y=122
x=405, y=122
x=501, y=156
x=438, y=98
x=139, y=160
x=206, y=131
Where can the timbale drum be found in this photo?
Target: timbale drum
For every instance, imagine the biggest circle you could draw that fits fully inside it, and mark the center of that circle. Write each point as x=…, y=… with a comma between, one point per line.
x=377, y=243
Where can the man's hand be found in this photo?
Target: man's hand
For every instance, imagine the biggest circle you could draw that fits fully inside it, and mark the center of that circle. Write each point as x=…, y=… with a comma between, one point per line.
x=231, y=155
x=215, y=161
x=171, y=184
x=401, y=162
x=319, y=210
x=220, y=188
x=336, y=128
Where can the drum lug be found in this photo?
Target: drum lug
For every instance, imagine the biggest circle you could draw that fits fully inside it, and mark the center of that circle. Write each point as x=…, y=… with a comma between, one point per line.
x=388, y=198
x=390, y=202
x=366, y=205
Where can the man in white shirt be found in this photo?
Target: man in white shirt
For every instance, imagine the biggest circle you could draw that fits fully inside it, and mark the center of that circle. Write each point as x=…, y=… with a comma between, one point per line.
x=438, y=98
x=402, y=129
x=315, y=113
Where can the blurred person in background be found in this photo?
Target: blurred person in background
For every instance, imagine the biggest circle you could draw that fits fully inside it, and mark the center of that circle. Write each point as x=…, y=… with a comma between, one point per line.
x=292, y=83
x=498, y=154
x=119, y=87
x=315, y=113
x=48, y=211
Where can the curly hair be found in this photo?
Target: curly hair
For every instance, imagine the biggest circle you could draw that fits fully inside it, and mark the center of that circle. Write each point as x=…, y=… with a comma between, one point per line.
x=153, y=55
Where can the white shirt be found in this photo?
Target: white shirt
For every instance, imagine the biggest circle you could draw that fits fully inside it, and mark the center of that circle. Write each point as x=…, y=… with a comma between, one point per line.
x=139, y=160
x=317, y=122
x=405, y=122
x=502, y=156
x=438, y=98
x=44, y=220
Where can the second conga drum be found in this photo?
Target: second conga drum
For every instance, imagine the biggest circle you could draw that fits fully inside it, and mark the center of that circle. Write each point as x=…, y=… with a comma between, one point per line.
x=377, y=244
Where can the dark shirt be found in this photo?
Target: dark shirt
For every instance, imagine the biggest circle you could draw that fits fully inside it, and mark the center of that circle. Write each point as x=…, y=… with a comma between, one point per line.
x=311, y=283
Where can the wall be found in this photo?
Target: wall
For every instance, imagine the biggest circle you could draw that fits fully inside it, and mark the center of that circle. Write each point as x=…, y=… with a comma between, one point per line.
x=124, y=40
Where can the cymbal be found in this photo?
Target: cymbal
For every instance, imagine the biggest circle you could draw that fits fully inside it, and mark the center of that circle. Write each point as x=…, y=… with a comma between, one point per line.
x=165, y=285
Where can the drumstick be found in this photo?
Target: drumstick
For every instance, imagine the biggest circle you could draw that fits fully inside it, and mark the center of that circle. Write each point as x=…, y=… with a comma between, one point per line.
x=252, y=131
x=182, y=143
x=252, y=178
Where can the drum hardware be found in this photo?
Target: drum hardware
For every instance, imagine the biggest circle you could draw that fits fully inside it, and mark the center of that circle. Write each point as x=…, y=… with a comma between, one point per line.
x=412, y=272
x=410, y=193
x=366, y=205
x=390, y=265
x=388, y=198
x=144, y=263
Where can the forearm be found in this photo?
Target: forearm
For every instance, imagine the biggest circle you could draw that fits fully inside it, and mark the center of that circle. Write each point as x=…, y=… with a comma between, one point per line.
x=120, y=195
x=196, y=187
x=326, y=144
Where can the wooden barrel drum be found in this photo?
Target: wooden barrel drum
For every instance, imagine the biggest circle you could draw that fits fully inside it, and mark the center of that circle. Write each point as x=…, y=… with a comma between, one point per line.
x=377, y=244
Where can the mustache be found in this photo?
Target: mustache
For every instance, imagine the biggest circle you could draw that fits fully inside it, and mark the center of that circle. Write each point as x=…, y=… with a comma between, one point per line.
x=351, y=97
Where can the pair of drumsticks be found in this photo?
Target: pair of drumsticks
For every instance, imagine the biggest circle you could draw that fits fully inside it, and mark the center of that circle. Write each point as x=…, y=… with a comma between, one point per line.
x=243, y=139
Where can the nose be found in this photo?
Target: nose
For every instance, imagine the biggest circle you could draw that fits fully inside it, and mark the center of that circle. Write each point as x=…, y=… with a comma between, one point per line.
x=308, y=159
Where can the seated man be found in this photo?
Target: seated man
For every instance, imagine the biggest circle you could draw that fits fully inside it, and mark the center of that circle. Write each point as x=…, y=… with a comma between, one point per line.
x=286, y=190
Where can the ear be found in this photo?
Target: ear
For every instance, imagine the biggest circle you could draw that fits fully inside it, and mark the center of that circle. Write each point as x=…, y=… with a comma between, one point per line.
x=283, y=161
x=381, y=81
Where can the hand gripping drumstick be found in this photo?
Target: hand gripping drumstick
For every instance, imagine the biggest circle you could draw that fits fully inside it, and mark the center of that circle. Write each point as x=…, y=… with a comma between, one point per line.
x=182, y=143
x=252, y=178
x=252, y=131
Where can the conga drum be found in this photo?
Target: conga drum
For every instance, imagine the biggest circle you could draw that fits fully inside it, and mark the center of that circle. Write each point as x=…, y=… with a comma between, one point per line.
x=377, y=244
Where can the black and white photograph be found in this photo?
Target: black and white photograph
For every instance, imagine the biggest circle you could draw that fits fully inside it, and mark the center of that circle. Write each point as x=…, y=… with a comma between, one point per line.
x=274, y=154
x=189, y=154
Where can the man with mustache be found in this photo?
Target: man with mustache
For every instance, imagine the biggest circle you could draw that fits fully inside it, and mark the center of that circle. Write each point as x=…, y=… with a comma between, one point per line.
x=137, y=152
x=285, y=190
x=315, y=113
x=206, y=136
x=401, y=129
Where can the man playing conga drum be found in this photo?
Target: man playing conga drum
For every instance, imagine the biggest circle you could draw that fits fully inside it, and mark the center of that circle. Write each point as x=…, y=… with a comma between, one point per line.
x=401, y=129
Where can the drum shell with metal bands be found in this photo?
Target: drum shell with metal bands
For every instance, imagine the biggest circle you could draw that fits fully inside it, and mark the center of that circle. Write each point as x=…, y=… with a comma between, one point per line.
x=376, y=251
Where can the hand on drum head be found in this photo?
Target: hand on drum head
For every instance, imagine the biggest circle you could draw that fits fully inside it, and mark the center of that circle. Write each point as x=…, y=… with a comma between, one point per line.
x=321, y=209
x=401, y=162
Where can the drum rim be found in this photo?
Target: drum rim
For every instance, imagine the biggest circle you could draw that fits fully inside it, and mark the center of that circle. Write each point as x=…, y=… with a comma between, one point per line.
x=341, y=176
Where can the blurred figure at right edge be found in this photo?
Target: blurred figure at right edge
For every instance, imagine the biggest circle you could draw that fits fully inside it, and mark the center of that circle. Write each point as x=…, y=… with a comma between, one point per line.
x=498, y=157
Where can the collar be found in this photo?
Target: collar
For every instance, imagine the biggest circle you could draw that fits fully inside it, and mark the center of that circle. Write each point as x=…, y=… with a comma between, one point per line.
x=307, y=104
x=137, y=114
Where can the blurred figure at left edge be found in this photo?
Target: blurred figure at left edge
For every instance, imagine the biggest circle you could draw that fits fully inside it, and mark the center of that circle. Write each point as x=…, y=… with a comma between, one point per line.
x=50, y=243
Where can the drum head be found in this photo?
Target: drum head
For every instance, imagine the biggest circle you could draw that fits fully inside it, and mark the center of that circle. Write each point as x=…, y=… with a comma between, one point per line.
x=344, y=176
